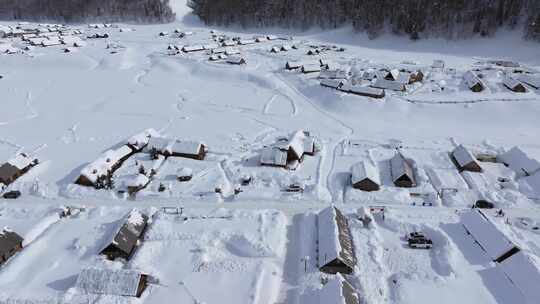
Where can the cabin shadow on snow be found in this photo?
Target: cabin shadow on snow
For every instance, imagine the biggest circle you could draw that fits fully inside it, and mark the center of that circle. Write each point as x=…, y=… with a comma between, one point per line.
x=63, y=284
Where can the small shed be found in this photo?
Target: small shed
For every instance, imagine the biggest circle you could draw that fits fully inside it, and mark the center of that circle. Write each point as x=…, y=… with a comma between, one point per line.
x=473, y=82
x=465, y=160
x=117, y=282
x=496, y=245
x=336, y=250
x=365, y=176
x=10, y=244
x=338, y=291
x=402, y=172
x=514, y=85
x=126, y=240
x=392, y=75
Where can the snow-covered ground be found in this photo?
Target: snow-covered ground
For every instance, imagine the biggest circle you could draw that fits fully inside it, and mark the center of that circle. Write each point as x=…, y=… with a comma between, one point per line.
x=68, y=108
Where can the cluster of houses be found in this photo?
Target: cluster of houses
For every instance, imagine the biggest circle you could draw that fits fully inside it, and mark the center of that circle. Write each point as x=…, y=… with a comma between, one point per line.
x=43, y=35
x=370, y=83
x=289, y=152
x=365, y=176
x=99, y=174
x=15, y=168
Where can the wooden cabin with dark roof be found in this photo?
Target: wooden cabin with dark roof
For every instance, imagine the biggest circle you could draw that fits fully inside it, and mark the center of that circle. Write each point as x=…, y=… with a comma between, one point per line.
x=126, y=240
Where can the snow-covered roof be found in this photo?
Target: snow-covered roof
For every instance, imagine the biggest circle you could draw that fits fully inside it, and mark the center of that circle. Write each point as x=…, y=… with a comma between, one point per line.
x=472, y=80
x=129, y=233
x=246, y=41
x=297, y=143
x=138, y=180
x=388, y=84
x=311, y=68
x=109, y=281
x=463, y=156
x=210, y=46
x=524, y=272
x=338, y=291
x=519, y=161
x=140, y=140
x=530, y=185
x=334, y=74
x=105, y=163
x=484, y=231
x=334, y=237
x=185, y=147
x=365, y=170
x=294, y=64
x=437, y=64
x=365, y=91
x=236, y=60
x=20, y=161
x=192, y=48
x=511, y=82
x=332, y=83
x=274, y=156
x=530, y=80
x=400, y=167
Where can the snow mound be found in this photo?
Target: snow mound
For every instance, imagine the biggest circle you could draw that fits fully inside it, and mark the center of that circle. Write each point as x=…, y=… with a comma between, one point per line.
x=247, y=246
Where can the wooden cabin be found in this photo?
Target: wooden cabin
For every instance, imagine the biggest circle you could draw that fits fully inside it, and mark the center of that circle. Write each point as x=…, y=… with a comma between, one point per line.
x=365, y=177
x=335, y=245
x=402, y=172
x=465, y=160
x=10, y=244
x=126, y=240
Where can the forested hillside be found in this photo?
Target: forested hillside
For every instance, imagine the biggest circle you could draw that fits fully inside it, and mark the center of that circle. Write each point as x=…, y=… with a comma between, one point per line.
x=87, y=10
x=451, y=19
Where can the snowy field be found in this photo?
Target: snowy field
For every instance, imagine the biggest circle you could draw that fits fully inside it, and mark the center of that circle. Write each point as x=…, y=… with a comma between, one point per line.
x=240, y=232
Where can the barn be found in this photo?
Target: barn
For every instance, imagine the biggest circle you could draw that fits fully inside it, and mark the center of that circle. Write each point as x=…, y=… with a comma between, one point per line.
x=126, y=240
x=116, y=282
x=10, y=244
x=365, y=176
x=465, y=160
x=484, y=232
x=335, y=251
x=402, y=172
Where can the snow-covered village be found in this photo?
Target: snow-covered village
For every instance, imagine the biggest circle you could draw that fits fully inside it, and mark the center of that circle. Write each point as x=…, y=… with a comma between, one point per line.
x=185, y=162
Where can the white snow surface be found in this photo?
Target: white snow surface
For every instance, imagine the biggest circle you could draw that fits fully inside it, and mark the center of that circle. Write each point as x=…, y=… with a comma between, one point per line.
x=256, y=241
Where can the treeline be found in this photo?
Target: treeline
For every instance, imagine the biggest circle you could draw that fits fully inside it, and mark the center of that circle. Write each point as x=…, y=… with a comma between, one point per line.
x=146, y=11
x=451, y=19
